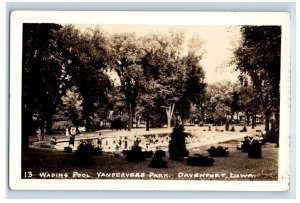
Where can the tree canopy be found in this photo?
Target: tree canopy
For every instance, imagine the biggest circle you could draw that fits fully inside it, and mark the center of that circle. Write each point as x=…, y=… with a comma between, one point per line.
x=258, y=57
x=41, y=78
x=82, y=76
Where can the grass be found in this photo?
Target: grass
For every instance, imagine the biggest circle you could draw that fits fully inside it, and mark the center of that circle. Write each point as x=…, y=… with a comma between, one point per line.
x=235, y=167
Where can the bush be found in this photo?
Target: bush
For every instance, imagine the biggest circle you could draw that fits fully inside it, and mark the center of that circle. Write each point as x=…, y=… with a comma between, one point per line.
x=148, y=154
x=271, y=136
x=84, y=154
x=244, y=129
x=136, y=154
x=157, y=161
x=246, y=143
x=218, y=151
x=67, y=149
x=232, y=129
x=125, y=152
x=97, y=151
x=117, y=155
x=177, y=147
x=254, y=150
x=199, y=160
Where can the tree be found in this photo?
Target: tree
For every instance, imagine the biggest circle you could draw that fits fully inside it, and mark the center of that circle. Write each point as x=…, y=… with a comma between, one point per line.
x=125, y=60
x=71, y=107
x=85, y=56
x=194, y=85
x=220, y=101
x=41, y=71
x=258, y=57
x=177, y=147
x=163, y=67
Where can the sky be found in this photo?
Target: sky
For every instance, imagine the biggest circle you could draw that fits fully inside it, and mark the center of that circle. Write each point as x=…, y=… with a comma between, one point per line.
x=217, y=45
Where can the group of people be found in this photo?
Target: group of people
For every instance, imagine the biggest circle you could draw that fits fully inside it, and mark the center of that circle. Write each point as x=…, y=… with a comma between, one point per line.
x=72, y=132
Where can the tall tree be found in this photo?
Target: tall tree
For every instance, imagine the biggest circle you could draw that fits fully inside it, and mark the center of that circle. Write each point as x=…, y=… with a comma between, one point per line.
x=85, y=56
x=71, y=107
x=163, y=67
x=125, y=60
x=258, y=56
x=220, y=101
x=194, y=85
x=40, y=78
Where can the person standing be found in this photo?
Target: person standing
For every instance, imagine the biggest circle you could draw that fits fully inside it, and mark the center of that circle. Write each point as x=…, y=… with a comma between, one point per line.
x=38, y=134
x=99, y=140
x=67, y=132
x=72, y=140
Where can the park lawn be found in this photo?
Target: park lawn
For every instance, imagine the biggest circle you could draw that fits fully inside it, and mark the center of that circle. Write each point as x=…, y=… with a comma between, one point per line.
x=236, y=167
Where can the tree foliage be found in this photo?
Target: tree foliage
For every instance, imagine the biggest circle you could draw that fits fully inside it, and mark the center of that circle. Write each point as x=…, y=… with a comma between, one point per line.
x=176, y=80
x=177, y=146
x=68, y=75
x=125, y=60
x=258, y=57
x=40, y=78
x=84, y=64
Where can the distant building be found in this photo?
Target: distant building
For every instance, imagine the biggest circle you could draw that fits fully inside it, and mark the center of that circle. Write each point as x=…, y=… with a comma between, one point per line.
x=242, y=118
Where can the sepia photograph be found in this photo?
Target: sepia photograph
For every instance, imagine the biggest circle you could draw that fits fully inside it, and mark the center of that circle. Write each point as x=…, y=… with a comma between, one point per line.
x=150, y=101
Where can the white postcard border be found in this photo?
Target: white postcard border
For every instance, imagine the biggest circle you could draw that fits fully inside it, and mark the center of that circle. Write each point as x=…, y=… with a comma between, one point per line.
x=136, y=17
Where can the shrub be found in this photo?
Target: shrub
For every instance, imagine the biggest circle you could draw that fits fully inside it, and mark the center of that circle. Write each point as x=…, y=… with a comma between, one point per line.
x=177, y=147
x=84, y=154
x=148, y=154
x=125, y=152
x=199, y=160
x=117, y=155
x=136, y=154
x=254, y=150
x=157, y=161
x=244, y=129
x=97, y=151
x=246, y=143
x=232, y=129
x=218, y=151
x=67, y=149
x=271, y=136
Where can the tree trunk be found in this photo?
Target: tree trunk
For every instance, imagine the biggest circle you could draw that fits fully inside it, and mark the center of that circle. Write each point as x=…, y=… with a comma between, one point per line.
x=130, y=117
x=247, y=118
x=277, y=122
x=267, y=121
x=88, y=124
x=202, y=115
x=169, y=111
x=49, y=125
x=148, y=121
x=267, y=113
x=27, y=129
x=253, y=119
